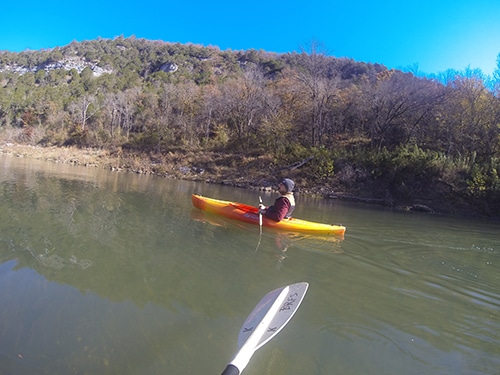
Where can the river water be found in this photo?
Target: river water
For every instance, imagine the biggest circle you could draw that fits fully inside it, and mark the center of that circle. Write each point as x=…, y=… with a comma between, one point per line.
x=113, y=273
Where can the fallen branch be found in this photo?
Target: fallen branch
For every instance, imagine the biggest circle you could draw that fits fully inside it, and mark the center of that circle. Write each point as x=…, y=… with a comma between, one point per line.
x=295, y=165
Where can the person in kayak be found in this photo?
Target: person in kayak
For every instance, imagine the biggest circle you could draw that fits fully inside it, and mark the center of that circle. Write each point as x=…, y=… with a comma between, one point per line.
x=284, y=205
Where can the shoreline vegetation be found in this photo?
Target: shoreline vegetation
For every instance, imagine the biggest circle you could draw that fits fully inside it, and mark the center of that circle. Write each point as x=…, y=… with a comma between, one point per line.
x=186, y=166
x=341, y=129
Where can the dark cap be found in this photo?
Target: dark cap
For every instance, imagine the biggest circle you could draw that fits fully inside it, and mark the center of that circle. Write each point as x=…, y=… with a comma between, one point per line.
x=289, y=184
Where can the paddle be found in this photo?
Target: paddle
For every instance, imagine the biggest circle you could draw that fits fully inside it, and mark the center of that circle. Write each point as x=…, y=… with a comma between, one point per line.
x=260, y=215
x=266, y=320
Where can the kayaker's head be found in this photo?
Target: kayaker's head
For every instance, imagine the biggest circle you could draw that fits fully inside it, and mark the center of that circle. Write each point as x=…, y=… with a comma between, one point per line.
x=286, y=186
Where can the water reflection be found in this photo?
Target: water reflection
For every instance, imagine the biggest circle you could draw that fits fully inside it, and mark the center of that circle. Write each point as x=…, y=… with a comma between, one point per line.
x=114, y=273
x=282, y=241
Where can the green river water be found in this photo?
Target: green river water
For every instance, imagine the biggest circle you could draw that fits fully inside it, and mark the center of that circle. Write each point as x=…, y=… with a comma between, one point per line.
x=113, y=273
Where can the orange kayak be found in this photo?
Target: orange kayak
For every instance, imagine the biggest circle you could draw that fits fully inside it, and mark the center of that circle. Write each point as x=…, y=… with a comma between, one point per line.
x=250, y=214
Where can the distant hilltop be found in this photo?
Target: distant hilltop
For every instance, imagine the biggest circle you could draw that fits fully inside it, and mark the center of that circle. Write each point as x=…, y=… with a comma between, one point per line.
x=146, y=57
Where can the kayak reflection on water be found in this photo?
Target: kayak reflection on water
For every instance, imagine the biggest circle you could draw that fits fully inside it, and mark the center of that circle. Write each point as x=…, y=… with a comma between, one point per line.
x=279, y=240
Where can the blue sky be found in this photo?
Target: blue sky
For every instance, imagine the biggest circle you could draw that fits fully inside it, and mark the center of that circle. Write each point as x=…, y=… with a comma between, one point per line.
x=432, y=36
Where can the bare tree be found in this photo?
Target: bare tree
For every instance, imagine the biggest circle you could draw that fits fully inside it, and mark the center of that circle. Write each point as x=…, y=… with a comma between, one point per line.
x=126, y=103
x=240, y=104
x=473, y=116
x=397, y=106
x=318, y=81
x=84, y=108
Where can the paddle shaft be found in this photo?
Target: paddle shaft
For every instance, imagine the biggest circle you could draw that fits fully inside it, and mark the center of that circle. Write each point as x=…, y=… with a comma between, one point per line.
x=231, y=370
x=260, y=225
x=260, y=215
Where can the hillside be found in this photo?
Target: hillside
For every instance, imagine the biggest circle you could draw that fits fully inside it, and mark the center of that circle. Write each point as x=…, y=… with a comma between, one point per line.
x=247, y=117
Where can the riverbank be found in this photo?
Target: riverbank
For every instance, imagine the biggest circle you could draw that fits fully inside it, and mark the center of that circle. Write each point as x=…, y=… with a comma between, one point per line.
x=232, y=170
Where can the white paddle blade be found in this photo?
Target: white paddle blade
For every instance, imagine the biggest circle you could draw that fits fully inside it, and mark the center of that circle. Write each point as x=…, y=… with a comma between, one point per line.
x=266, y=320
x=288, y=306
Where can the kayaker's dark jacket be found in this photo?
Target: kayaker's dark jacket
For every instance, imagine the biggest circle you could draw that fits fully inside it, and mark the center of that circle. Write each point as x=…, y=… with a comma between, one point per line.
x=282, y=208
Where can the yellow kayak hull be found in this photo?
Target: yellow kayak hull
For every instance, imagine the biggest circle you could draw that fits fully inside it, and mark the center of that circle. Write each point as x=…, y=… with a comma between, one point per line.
x=250, y=214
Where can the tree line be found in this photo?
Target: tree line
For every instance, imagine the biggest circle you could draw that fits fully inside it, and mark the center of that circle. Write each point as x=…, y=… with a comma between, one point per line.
x=364, y=124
